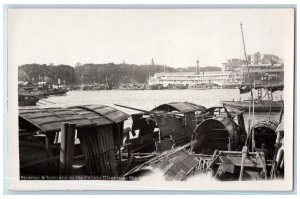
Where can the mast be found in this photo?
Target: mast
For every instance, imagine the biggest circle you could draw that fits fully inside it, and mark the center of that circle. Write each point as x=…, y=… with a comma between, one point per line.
x=245, y=53
x=253, y=141
x=252, y=98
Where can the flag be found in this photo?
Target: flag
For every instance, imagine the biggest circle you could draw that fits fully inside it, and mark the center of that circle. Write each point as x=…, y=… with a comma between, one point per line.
x=245, y=89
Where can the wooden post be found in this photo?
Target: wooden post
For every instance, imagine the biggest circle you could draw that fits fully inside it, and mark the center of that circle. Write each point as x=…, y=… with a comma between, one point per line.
x=119, y=147
x=129, y=151
x=159, y=136
x=56, y=137
x=262, y=159
x=70, y=147
x=244, y=155
x=66, y=148
x=190, y=124
x=47, y=143
x=62, y=162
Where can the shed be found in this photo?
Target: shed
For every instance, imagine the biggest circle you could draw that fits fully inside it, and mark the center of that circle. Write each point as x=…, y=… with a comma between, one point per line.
x=38, y=135
x=99, y=128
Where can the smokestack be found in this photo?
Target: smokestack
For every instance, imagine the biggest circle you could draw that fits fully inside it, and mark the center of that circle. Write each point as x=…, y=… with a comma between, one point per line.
x=197, y=67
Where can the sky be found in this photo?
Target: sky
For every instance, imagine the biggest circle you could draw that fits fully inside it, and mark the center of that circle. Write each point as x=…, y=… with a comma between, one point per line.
x=175, y=37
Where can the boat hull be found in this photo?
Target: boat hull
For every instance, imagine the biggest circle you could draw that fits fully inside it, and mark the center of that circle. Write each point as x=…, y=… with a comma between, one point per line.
x=262, y=106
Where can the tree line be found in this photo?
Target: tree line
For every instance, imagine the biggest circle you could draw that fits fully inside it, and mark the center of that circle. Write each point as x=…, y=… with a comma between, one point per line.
x=96, y=73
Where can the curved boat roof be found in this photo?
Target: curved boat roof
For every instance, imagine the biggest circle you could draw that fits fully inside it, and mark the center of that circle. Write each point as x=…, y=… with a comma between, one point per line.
x=267, y=124
x=183, y=107
x=226, y=122
x=50, y=119
x=280, y=127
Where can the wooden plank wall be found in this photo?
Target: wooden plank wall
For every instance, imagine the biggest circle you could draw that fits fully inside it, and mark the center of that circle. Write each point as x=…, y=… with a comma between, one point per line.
x=190, y=122
x=98, y=148
x=169, y=125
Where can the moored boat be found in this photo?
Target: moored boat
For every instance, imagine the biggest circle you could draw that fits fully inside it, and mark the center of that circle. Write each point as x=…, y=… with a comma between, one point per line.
x=198, y=87
x=27, y=100
x=156, y=87
x=177, y=86
x=260, y=104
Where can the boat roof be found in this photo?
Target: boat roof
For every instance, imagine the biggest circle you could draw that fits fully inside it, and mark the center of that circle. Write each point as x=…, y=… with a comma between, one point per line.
x=183, y=107
x=280, y=127
x=267, y=124
x=101, y=114
x=50, y=119
x=232, y=110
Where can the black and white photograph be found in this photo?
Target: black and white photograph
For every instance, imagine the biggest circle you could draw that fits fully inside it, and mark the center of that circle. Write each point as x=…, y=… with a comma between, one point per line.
x=151, y=99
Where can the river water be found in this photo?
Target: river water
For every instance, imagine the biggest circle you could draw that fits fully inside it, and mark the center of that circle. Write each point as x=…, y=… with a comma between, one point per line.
x=148, y=99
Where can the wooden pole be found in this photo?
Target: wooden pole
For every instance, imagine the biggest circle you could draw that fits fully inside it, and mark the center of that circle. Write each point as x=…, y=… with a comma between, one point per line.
x=244, y=155
x=66, y=148
x=281, y=113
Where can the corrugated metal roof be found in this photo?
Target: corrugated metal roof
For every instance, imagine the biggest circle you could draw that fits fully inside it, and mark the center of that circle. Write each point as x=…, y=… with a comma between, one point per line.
x=50, y=119
x=183, y=107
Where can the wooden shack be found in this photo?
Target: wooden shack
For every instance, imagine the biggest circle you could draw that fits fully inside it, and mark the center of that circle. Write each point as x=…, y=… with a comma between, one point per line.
x=99, y=132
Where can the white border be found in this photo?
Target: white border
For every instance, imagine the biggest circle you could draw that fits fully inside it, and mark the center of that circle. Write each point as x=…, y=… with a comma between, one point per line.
x=94, y=185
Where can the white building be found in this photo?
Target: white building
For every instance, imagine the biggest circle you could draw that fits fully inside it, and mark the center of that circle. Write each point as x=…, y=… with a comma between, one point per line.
x=190, y=78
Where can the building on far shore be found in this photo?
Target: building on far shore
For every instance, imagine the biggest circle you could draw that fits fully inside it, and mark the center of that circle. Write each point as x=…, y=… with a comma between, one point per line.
x=221, y=78
x=263, y=68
